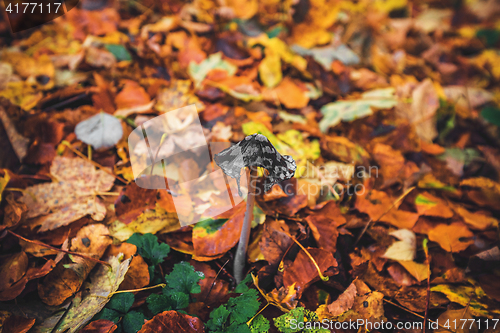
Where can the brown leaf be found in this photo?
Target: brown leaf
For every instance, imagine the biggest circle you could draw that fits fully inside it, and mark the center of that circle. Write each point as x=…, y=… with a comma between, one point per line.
x=344, y=302
x=133, y=201
x=13, y=213
x=391, y=162
x=213, y=238
x=449, y=237
x=324, y=230
x=12, y=270
x=18, y=324
x=102, y=97
x=72, y=198
x=173, y=321
x=68, y=276
x=100, y=326
x=376, y=203
x=212, y=286
x=302, y=272
x=274, y=243
x=452, y=316
x=137, y=275
x=14, y=290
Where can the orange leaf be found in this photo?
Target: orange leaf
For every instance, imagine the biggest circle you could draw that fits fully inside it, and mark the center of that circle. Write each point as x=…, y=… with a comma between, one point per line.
x=449, y=236
x=376, y=203
x=173, y=321
x=132, y=95
x=100, y=326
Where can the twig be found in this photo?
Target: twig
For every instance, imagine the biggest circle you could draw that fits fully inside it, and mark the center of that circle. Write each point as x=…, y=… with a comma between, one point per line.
x=65, y=102
x=387, y=211
x=241, y=251
x=60, y=250
x=258, y=313
x=135, y=290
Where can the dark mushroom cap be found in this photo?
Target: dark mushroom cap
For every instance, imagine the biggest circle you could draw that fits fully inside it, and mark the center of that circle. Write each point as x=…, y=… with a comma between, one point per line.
x=256, y=150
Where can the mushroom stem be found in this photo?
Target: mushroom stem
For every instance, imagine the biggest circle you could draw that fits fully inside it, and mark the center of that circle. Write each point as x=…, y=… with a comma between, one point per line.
x=241, y=251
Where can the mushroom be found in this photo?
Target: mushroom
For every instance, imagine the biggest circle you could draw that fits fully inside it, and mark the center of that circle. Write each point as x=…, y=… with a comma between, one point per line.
x=252, y=152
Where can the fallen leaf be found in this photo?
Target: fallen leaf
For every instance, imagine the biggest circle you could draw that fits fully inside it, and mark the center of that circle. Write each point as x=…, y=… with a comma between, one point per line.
x=287, y=93
x=344, y=302
x=198, y=72
x=137, y=275
x=334, y=113
x=324, y=230
x=12, y=270
x=417, y=270
x=476, y=220
x=216, y=236
x=60, y=203
x=69, y=274
x=173, y=321
x=100, y=131
x=455, y=237
x=469, y=296
x=103, y=282
x=422, y=110
x=378, y=204
x=302, y=272
x=275, y=242
x=460, y=315
x=429, y=205
x=99, y=326
x=17, y=324
x=390, y=160
x=401, y=275
x=405, y=248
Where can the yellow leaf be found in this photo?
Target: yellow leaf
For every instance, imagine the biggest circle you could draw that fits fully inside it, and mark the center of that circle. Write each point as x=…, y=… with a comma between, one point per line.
x=270, y=69
x=471, y=297
x=417, y=270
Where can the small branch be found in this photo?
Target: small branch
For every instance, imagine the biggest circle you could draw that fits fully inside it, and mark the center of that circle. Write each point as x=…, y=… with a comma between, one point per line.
x=163, y=285
x=60, y=250
x=241, y=251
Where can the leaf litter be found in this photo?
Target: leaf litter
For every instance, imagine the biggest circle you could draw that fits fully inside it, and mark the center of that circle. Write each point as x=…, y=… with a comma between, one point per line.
x=389, y=108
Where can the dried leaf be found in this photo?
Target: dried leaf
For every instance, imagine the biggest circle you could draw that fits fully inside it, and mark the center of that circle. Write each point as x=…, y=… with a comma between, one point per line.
x=69, y=274
x=344, y=302
x=405, y=248
x=455, y=237
x=173, y=321
x=103, y=282
x=100, y=131
x=60, y=203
